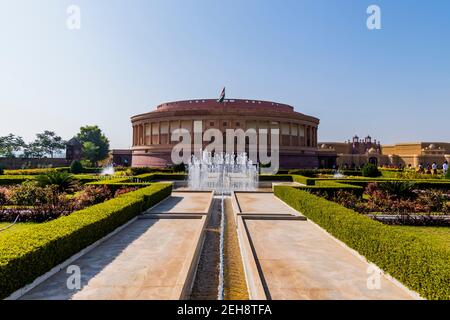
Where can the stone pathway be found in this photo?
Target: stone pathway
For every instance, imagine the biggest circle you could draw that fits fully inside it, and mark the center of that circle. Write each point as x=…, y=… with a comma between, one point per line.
x=295, y=259
x=149, y=259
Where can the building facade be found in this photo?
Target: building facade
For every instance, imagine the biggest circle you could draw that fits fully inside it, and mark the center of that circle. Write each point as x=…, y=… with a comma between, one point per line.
x=121, y=157
x=414, y=154
x=356, y=152
x=152, y=143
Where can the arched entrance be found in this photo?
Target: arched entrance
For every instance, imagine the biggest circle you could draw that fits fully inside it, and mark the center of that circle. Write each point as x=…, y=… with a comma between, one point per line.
x=373, y=160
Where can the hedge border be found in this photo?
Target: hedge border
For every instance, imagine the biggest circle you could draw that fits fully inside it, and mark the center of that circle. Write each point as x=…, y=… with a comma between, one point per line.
x=158, y=176
x=116, y=184
x=7, y=180
x=331, y=187
x=419, y=263
x=26, y=255
x=421, y=184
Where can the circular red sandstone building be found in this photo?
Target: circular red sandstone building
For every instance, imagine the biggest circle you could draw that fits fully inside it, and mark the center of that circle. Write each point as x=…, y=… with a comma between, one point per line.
x=152, y=145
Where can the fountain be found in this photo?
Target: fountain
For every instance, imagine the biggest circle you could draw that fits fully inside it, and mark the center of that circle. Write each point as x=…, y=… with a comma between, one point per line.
x=108, y=170
x=222, y=173
x=338, y=174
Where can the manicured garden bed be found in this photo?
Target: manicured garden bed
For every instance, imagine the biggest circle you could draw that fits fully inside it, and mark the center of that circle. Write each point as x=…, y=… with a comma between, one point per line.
x=53, y=195
x=390, y=197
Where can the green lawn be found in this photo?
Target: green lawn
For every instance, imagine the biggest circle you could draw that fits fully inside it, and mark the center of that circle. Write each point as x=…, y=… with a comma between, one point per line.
x=438, y=235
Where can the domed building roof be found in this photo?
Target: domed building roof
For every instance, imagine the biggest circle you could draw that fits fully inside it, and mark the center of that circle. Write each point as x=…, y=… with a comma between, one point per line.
x=234, y=107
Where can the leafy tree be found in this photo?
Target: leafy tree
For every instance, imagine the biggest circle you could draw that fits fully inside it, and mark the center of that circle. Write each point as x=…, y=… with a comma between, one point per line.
x=10, y=144
x=91, y=152
x=95, y=143
x=49, y=142
x=32, y=150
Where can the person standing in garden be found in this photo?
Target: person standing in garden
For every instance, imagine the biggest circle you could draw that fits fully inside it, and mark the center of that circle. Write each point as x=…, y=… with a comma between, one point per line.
x=434, y=168
x=445, y=167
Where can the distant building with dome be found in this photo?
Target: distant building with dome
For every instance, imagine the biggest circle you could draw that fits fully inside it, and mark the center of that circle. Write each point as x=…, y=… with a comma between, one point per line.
x=356, y=152
x=416, y=153
x=152, y=144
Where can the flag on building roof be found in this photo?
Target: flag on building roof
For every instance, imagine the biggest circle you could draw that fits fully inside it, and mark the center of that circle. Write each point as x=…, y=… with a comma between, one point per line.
x=222, y=96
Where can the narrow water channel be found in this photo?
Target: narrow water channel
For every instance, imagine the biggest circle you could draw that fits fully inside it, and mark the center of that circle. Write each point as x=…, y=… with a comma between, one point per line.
x=207, y=283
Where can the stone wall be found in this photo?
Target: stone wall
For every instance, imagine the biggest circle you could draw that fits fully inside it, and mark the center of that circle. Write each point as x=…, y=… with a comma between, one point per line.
x=33, y=163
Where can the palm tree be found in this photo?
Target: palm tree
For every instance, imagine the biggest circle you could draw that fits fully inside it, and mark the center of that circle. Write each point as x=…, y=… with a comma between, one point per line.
x=63, y=180
x=398, y=189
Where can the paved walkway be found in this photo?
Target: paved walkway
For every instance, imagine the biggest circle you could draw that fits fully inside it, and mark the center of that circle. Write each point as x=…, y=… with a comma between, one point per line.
x=149, y=259
x=295, y=259
x=262, y=203
x=184, y=202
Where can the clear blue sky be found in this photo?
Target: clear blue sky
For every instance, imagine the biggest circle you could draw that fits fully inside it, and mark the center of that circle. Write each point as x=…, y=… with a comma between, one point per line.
x=316, y=55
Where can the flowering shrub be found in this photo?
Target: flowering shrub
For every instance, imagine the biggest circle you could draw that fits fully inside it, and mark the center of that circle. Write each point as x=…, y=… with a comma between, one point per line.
x=34, y=203
x=392, y=200
x=28, y=194
x=124, y=190
x=434, y=201
x=91, y=195
x=3, y=196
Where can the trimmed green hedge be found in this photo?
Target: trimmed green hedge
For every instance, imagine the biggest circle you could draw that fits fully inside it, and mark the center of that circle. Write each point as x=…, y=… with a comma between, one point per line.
x=332, y=187
x=18, y=179
x=311, y=173
x=304, y=180
x=144, y=170
x=112, y=180
x=419, y=263
x=28, y=172
x=276, y=177
x=85, y=178
x=420, y=184
x=7, y=180
x=26, y=255
x=161, y=176
x=116, y=184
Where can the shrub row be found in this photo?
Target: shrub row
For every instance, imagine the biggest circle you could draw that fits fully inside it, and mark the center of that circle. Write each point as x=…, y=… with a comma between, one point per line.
x=143, y=170
x=311, y=173
x=27, y=254
x=331, y=188
x=116, y=184
x=277, y=177
x=418, y=262
x=7, y=180
x=161, y=177
x=18, y=179
x=420, y=184
x=28, y=172
x=304, y=180
x=37, y=171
